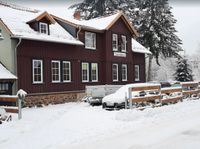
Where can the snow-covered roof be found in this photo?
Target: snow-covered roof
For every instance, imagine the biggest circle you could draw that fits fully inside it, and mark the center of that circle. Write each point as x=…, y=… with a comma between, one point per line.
x=138, y=48
x=100, y=23
x=15, y=19
x=6, y=74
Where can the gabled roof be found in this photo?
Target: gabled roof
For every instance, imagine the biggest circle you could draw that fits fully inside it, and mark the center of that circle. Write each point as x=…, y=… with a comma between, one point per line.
x=43, y=15
x=15, y=20
x=99, y=24
x=138, y=48
x=5, y=74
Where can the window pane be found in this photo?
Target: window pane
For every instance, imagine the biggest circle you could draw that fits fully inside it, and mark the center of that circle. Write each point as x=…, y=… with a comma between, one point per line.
x=124, y=72
x=137, y=73
x=115, y=72
x=43, y=28
x=66, y=71
x=115, y=42
x=90, y=40
x=123, y=44
x=85, y=74
x=55, y=69
x=37, y=71
x=94, y=72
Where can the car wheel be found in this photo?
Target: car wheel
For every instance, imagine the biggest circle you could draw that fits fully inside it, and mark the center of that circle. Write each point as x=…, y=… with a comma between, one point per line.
x=115, y=106
x=104, y=105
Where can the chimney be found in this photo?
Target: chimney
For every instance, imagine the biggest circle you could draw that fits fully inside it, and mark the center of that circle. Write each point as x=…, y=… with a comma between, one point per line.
x=77, y=15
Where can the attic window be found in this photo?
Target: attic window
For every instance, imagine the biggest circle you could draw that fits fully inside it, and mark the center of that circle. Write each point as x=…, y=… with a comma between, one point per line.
x=43, y=28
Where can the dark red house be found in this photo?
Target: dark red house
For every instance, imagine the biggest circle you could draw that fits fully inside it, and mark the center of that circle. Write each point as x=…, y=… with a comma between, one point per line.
x=55, y=57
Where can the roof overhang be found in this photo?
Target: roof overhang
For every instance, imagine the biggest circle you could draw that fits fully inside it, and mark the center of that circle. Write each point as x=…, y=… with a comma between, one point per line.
x=126, y=21
x=6, y=27
x=47, y=40
x=43, y=15
x=138, y=48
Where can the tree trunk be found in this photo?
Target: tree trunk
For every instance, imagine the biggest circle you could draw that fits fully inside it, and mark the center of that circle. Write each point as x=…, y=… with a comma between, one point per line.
x=149, y=73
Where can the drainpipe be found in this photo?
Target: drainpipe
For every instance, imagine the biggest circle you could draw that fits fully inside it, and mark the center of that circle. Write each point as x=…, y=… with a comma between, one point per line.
x=79, y=29
x=15, y=61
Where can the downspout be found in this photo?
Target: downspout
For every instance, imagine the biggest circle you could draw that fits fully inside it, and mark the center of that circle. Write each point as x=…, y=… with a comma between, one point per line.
x=77, y=34
x=15, y=61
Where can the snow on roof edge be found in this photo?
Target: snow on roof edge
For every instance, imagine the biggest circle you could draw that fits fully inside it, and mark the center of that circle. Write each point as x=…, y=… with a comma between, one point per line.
x=49, y=40
x=6, y=74
x=138, y=48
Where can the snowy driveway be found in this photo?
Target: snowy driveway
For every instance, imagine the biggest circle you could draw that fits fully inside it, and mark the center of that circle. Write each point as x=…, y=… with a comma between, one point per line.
x=79, y=126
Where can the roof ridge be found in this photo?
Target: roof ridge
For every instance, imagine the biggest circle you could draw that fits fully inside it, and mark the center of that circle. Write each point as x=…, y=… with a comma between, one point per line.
x=105, y=16
x=18, y=7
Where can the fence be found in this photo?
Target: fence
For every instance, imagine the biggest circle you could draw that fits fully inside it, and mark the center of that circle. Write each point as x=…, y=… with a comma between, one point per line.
x=154, y=94
x=13, y=104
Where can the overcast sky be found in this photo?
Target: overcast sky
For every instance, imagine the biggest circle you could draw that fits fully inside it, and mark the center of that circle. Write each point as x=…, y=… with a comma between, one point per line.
x=187, y=13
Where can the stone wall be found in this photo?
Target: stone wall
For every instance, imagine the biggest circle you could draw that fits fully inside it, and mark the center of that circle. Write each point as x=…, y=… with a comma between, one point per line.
x=53, y=98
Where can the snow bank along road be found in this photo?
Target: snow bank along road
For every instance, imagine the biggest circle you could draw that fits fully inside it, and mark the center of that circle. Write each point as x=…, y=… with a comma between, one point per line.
x=79, y=126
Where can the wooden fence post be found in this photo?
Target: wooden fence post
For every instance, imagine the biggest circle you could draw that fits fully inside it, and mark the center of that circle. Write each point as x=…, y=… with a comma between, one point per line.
x=130, y=98
x=19, y=108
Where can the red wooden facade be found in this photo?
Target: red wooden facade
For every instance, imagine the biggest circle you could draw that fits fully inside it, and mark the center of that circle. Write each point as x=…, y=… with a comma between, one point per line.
x=103, y=55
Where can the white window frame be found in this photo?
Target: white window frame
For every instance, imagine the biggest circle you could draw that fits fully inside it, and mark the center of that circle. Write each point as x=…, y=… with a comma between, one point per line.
x=126, y=72
x=137, y=70
x=115, y=38
x=123, y=40
x=33, y=71
x=83, y=63
x=55, y=81
x=69, y=63
x=90, y=36
x=115, y=80
x=46, y=27
x=96, y=66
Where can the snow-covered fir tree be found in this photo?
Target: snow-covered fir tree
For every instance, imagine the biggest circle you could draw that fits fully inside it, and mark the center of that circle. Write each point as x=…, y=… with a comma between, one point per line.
x=183, y=72
x=152, y=19
x=96, y=8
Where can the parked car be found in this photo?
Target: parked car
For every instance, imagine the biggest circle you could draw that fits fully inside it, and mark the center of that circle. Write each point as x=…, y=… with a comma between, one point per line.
x=92, y=100
x=117, y=100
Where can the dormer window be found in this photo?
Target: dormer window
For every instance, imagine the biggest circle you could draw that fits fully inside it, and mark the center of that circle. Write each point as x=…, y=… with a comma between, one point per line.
x=43, y=28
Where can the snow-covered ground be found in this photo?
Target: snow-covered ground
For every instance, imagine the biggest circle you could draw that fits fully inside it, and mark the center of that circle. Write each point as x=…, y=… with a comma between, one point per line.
x=80, y=126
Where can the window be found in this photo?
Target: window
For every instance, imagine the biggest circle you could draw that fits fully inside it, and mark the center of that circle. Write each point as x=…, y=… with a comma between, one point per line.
x=37, y=66
x=85, y=72
x=115, y=72
x=137, y=73
x=124, y=72
x=123, y=44
x=94, y=72
x=66, y=67
x=90, y=40
x=55, y=71
x=43, y=28
x=4, y=87
x=115, y=42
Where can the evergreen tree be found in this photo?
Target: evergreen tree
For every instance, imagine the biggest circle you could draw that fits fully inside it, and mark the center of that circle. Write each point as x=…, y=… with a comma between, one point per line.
x=183, y=72
x=151, y=18
x=96, y=8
